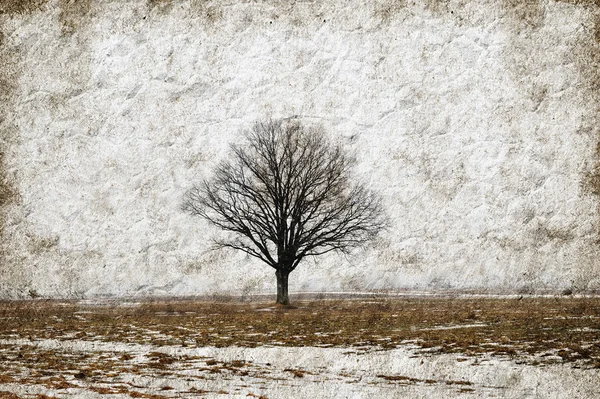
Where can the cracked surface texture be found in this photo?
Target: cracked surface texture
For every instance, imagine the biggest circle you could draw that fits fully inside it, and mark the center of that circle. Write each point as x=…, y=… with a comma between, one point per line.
x=476, y=121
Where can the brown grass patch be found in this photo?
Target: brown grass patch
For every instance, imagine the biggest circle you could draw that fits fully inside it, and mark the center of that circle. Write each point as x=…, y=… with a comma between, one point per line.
x=555, y=330
x=503, y=327
x=198, y=391
x=401, y=378
x=5, y=379
x=296, y=372
x=411, y=380
x=125, y=390
x=459, y=382
x=252, y=395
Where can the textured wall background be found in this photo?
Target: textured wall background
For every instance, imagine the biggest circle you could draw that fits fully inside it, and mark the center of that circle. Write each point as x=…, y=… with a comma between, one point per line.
x=476, y=120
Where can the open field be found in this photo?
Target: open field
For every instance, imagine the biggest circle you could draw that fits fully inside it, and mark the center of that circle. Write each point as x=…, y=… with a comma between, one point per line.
x=409, y=347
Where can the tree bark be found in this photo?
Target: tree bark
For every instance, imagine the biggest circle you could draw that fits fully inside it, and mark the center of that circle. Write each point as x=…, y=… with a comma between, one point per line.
x=282, y=287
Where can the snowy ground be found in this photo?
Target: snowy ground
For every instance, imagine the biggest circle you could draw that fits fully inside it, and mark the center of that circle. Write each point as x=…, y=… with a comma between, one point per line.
x=83, y=351
x=292, y=372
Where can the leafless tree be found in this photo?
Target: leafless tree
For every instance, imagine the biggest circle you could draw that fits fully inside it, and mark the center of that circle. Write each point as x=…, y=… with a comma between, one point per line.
x=285, y=195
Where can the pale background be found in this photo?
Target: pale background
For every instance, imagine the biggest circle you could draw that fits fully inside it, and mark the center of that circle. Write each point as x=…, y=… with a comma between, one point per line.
x=476, y=121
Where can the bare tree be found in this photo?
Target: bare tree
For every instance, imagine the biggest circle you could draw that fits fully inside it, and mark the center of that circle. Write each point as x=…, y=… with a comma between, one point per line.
x=285, y=195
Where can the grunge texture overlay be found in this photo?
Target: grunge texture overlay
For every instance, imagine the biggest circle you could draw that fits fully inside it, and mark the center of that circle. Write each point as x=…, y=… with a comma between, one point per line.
x=477, y=122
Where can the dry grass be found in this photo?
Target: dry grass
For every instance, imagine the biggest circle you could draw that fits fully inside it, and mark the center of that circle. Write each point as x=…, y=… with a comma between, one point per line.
x=567, y=327
x=532, y=330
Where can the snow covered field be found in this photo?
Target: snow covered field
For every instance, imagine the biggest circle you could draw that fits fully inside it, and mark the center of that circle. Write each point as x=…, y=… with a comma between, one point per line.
x=400, y=348
x=291, y=372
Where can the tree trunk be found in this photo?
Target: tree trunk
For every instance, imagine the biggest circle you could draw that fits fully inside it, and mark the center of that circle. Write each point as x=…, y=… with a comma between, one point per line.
x=282, y=287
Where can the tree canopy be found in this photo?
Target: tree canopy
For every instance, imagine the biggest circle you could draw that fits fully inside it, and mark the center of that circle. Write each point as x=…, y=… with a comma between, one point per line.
x=287, y=194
